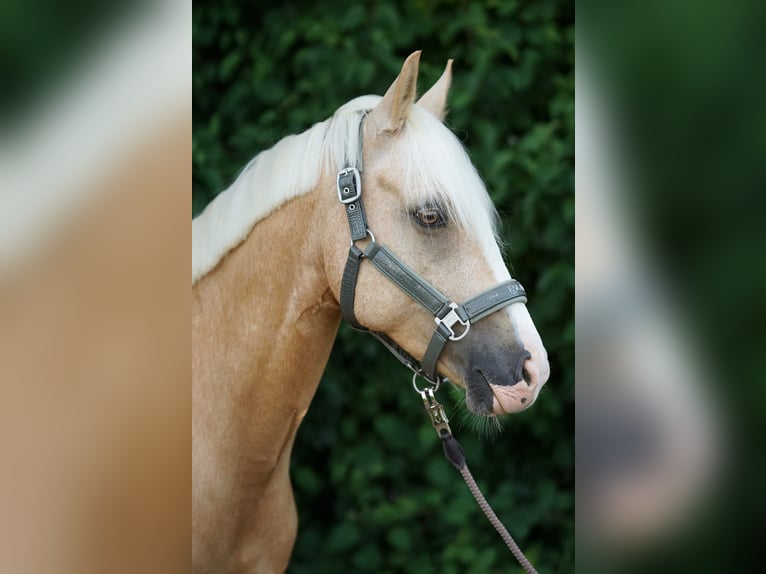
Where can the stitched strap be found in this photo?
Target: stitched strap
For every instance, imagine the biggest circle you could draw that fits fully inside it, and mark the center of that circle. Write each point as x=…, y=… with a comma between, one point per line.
x=433, y=352
x=347, y=298
x=348, y=286
x=407, y=279
x=495, y=298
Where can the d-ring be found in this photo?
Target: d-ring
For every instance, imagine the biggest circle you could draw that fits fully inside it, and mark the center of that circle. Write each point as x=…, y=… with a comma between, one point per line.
x=367, y=234
x=435, y=386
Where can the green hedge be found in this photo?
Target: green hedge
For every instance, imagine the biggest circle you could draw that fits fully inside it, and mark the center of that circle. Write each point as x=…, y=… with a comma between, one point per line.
x=374, y=493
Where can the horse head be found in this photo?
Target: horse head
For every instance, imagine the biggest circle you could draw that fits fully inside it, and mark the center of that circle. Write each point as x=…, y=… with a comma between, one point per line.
x=424, y=200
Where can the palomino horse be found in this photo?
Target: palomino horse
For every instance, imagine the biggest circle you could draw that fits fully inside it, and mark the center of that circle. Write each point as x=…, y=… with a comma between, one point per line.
x=268, y=259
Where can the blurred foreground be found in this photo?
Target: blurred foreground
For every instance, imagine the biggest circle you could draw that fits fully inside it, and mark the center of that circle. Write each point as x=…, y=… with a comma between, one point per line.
x=94, y=299
x=670, y=133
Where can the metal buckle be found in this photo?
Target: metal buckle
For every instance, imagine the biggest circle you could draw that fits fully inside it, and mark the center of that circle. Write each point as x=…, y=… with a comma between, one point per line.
x=349, y=193
x=450, y=320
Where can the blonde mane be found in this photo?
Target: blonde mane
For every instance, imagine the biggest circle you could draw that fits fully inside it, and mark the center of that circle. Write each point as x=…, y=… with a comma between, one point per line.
x=437, y=168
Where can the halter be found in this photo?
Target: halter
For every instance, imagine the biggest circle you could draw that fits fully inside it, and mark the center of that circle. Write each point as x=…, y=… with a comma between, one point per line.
x=453, y=320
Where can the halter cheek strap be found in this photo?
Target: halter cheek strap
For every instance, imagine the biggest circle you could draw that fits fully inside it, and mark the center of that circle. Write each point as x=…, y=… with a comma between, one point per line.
x=453, y=320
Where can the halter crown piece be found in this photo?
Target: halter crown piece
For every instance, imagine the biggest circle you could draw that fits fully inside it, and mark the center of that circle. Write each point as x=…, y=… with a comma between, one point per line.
x=453, y=320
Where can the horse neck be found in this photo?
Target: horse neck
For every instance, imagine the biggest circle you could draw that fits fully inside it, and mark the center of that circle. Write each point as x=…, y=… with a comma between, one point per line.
x=263, y=323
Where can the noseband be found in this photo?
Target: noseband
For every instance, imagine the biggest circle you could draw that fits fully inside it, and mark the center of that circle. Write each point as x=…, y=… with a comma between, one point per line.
x=453, y=320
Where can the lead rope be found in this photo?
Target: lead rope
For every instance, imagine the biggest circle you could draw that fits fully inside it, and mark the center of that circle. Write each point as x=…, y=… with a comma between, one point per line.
x=493, y=519
x=454, y=453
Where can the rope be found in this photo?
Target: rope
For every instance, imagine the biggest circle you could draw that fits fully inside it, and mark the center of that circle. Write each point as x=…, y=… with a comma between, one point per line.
x=495, y=521
x=454, y=453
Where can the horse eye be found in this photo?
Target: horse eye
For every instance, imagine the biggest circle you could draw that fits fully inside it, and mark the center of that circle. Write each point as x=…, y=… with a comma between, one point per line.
x=430, y=217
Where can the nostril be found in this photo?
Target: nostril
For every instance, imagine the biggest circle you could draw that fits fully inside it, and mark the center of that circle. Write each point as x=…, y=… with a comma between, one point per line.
x=518, y=365
x=527, y=376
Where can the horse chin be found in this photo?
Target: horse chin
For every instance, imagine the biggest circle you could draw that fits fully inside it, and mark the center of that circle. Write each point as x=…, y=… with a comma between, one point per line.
x=479, y=397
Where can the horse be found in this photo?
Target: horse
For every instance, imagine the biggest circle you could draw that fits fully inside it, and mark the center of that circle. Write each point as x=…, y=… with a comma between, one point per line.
x=271, y=261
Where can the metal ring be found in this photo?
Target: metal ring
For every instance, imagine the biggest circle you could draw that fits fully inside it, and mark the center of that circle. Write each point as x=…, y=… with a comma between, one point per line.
x=367, y=232
x=418, y=389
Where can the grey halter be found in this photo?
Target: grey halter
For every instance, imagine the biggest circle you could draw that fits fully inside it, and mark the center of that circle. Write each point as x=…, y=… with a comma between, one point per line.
x=453, y=320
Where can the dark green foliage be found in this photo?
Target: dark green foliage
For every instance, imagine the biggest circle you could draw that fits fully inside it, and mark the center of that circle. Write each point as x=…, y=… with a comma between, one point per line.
x=44, y=44
x=374, y=492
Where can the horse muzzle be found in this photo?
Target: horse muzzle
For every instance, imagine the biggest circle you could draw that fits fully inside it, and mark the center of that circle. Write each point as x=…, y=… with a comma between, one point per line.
x=505, y=382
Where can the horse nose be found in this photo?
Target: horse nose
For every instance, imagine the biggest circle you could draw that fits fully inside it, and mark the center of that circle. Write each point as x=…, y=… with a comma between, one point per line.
x=535, y=373
x=521, y=391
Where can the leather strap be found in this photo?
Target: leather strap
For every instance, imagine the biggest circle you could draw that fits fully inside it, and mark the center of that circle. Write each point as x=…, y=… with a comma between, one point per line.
x=433, y=352
x=348, y=286
x=497, y=297
x=407, y=279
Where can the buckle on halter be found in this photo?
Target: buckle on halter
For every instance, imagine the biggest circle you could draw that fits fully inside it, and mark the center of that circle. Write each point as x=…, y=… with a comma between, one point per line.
x=450, y=320
x=350, y=188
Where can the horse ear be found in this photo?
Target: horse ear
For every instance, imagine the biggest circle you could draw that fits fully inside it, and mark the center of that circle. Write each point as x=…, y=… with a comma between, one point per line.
x=390, y=113
x=435, y=99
